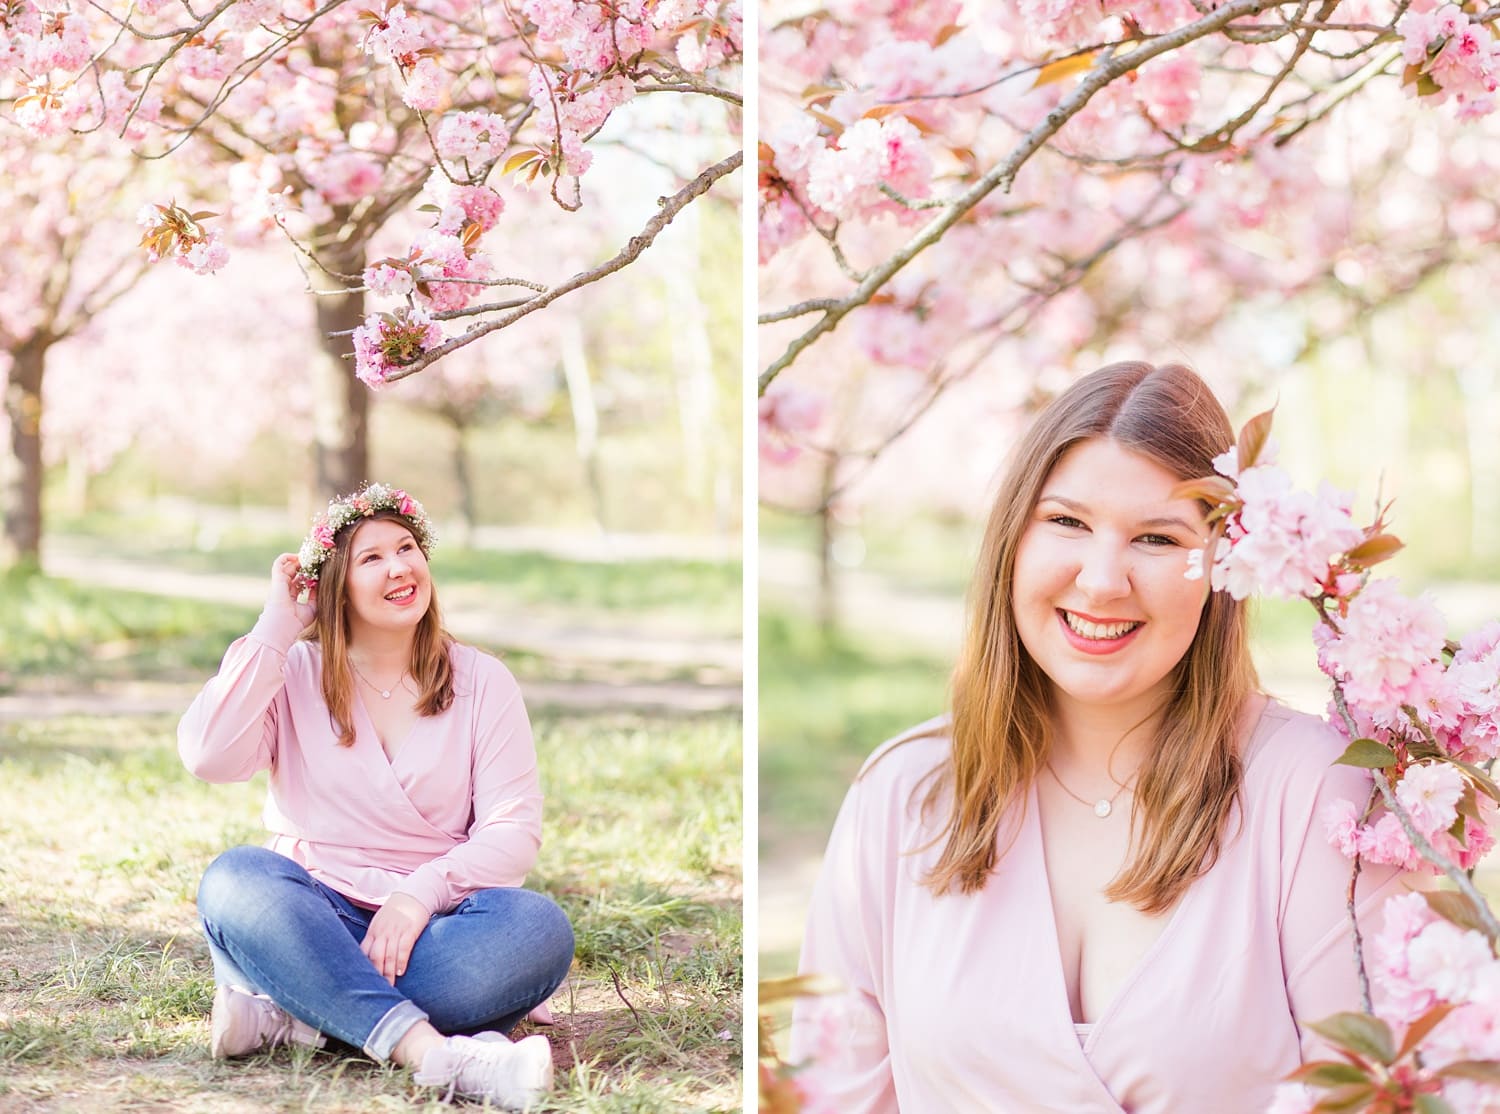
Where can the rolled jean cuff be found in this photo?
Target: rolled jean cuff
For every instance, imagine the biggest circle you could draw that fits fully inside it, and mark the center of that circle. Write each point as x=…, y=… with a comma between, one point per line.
x=389, y=1030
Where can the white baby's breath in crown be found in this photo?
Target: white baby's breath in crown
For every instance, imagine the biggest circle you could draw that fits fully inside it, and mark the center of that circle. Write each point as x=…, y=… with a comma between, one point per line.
x=341, y=512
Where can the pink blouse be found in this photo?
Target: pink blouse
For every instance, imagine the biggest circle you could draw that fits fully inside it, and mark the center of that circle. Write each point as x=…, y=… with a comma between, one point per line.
x=957, y=1003
x=458, y=809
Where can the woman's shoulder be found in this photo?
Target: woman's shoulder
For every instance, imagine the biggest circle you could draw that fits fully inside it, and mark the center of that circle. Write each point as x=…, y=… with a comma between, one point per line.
x=905, y=761
x=1293, y=756
x=477, y=670
x=1285, y=739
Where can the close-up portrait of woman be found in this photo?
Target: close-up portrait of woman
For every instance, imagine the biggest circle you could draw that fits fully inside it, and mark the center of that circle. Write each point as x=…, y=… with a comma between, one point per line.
x=1102, y=879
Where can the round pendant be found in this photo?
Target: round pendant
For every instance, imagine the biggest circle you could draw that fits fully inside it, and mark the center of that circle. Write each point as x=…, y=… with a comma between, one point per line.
x=1102, y=808
x=388, y=696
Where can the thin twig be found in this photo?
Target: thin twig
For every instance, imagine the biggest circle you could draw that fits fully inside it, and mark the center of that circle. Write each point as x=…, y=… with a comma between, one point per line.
x=620, y=990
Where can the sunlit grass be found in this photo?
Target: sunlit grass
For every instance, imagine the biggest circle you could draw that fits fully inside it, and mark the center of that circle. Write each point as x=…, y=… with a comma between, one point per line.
x=105, y=982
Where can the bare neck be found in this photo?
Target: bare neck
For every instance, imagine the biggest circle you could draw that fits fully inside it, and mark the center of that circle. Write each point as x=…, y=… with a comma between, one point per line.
x=1110, y=741
x=383, y=651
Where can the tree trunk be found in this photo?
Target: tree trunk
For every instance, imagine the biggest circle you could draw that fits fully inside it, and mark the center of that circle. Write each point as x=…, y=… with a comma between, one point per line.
x=575, y=363
x=341, y=403
x=23, y=487
x=463, y=477
x=828, y=593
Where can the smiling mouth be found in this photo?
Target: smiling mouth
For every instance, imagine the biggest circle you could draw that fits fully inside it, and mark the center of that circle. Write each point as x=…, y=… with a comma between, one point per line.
x=400, y=595
x=1098, y=632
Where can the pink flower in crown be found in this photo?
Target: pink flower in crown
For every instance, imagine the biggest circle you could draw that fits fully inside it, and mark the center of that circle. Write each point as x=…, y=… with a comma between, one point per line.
x=362, y=505
x=323, y=534
x=404, y=502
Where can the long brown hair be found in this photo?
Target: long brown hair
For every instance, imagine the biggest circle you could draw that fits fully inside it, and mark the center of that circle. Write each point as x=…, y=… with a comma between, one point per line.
x=1001, y=723
x=431, y=667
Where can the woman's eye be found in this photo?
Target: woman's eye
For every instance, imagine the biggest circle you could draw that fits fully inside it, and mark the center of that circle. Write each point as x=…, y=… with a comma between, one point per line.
x=1066, y=520
x=1158, y=539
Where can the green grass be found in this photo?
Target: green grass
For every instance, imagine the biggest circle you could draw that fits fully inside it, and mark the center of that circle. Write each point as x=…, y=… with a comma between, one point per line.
x=708, y=591
x=61, y=627
x=105, y=982
x=825, y=704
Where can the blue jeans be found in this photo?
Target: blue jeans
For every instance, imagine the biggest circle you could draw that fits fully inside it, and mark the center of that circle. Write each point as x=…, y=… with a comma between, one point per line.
x=274, y=929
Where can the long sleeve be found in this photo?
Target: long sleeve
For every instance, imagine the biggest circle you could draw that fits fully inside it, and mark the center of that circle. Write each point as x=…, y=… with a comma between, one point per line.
x=843, y=1037
x=1316, y=937
x=229, y=731
x=506, y=830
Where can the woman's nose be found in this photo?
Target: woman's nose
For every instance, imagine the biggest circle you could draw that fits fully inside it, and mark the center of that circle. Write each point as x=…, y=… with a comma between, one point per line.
x=1104, y=572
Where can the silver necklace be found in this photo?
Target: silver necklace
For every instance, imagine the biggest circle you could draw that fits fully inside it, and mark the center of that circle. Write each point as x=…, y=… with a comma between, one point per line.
x=1102, y=807
x=387, y=692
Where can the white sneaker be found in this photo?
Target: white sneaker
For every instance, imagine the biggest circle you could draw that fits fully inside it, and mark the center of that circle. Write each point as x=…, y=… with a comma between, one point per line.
x=512, y=1076
x=244, y=1023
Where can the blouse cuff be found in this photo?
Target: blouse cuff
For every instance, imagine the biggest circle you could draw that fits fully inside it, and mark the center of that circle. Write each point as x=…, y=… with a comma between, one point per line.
x=426, y=885
x=276, y=630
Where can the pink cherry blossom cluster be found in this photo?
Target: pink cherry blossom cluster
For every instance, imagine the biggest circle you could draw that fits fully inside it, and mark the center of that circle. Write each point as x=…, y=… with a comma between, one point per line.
x=172, y=232
x=1424, y=967
x=472, y=138
x=1281, y=541
x=388, y=341
x=1424, y=716
x=786, y=414
x=1449, y=55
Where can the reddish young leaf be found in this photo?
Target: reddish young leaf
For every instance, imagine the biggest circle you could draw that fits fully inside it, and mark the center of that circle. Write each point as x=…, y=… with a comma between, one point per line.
x=1481, y=1071
x=1213, y=490
x=1418, y=1029
x=1455, y=908
x=1373, y=550
x=1253, y=437
x=1064, y=67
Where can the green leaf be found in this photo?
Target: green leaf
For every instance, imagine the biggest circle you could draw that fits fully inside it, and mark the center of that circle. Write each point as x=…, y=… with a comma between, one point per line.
x=1367, y=753
x=1358, y=1032
x=1418, y=1029
x=1481, y=1071
x=1457, y=909
x=1346, y=1100
x=1328, y=1073
x=1432, y=1104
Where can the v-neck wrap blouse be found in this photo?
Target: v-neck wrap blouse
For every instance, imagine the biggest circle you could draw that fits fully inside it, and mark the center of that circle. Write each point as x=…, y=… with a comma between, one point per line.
x=458, y=809
x=958, y=1002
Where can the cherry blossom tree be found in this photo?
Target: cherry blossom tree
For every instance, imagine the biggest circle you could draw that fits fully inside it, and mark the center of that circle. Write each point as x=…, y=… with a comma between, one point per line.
x=322, y=121
x=986, y=188
x=66, y=259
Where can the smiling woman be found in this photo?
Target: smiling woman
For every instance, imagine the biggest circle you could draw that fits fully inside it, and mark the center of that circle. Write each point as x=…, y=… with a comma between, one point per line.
x=386, y=909
x=1008, y=938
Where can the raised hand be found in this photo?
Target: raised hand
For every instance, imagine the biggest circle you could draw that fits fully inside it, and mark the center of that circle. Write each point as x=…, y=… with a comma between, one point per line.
x=283, y=592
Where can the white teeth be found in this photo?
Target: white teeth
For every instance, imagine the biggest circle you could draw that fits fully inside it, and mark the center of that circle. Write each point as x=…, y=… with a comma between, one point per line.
x=403, y=593
x=1100, y=631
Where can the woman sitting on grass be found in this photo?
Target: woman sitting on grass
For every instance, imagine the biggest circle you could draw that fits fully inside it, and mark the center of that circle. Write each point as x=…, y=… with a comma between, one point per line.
x=386, y=909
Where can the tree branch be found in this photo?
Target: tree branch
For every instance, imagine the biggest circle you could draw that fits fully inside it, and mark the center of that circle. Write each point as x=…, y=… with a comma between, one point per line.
x=670, y=207
x=1108, y=68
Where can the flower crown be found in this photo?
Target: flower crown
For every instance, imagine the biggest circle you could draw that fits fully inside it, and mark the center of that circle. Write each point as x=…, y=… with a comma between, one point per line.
x=342, y=512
